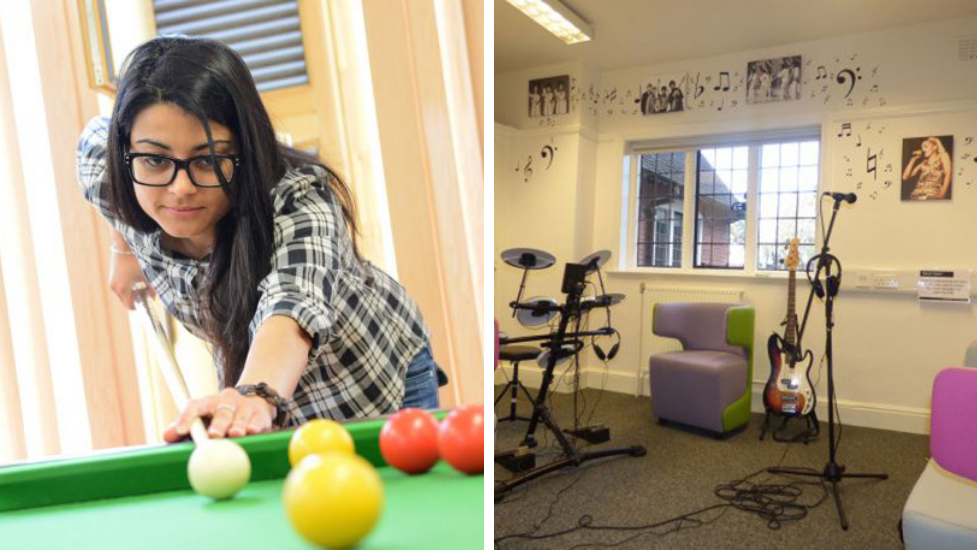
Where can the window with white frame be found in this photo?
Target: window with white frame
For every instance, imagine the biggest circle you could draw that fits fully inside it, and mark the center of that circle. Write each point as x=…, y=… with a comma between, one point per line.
x=747, y=198
x=661, y=198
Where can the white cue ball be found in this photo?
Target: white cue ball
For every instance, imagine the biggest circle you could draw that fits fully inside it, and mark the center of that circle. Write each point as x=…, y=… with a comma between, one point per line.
x=218, y=469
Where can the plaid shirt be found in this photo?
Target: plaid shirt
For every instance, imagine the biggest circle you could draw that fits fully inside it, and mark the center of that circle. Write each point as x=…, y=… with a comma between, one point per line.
x=365, y=329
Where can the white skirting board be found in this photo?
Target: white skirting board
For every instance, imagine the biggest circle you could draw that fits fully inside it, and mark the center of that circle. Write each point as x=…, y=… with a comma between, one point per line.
x=853, y=413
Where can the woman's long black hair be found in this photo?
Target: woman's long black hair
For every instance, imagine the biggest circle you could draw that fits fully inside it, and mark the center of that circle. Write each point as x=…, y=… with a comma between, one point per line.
x=210, y=81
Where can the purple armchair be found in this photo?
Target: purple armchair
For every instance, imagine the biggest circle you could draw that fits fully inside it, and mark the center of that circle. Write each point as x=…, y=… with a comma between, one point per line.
x=707, y=385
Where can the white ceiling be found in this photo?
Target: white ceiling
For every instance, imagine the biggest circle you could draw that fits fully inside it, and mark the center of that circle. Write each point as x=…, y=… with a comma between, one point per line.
x=648, y=32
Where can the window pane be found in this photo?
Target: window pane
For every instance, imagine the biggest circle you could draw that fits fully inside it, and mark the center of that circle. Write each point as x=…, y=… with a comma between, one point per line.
x=767, y=257
x=724, y=181
x=786, y=229
x=768, y=232
x=660, y=200
x=770, y=155
x=715, y=211
x=661, y=256
x=705, y=255
x=737, y=232
x=806, y=252
x=738, y=207
x=807, y=179
x=724, y=158
x=788, y=199
x=644, y=253
x=737, y=255
x=720, y=255
x=809, y=153
x=788, y=179
x=719, y=233
x=741, y=158
x=739, y=181
x=676, y=256
x=707, y=158
x=788, y=205
x=805, y=230
x=718, y=210
x=768, y=205
x=807, y=205
x=768, y=180
x=788, y=154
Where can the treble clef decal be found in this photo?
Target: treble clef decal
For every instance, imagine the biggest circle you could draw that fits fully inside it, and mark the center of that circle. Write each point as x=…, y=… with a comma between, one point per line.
x=527, y=172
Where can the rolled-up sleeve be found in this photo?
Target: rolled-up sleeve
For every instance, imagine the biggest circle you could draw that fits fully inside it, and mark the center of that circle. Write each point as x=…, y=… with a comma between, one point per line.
x=91, y=162
x=301, y=282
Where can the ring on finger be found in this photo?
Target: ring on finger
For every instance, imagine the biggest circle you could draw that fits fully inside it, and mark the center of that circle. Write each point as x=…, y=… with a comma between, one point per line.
x=241, y=422
x=230, y=408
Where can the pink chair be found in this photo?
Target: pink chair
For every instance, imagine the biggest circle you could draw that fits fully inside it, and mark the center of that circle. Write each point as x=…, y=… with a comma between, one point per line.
x=953, y=436
x=940, y=511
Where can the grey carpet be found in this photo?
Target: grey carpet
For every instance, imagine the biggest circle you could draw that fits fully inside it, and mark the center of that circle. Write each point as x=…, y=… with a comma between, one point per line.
x=679, y=474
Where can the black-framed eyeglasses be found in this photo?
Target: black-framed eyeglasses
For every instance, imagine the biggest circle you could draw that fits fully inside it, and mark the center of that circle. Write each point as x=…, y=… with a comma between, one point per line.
x=156, y=170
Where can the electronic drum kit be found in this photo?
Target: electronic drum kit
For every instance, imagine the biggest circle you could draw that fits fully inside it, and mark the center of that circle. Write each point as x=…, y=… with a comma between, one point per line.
x=559, y=345
x=541, y=311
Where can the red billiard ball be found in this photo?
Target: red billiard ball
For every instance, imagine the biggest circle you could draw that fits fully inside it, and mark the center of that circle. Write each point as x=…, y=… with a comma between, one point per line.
x=460, y=439
x=409, y=441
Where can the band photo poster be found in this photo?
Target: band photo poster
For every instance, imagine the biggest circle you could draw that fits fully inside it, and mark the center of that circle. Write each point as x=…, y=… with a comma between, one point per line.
x=549, y=96
x=771, y=80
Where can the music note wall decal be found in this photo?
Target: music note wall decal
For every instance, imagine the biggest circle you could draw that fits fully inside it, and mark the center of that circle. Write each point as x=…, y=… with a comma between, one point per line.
x=723, y=77
x=871, y=164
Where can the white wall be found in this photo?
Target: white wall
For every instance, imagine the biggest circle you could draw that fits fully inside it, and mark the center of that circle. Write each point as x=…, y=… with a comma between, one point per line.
x=888, y=347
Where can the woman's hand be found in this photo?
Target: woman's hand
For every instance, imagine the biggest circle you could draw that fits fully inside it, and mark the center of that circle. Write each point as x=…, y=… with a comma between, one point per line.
x=231, y=415
x=124, y=272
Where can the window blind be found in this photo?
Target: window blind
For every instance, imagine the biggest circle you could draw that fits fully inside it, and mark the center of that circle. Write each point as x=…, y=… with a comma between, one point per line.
x=266, y=33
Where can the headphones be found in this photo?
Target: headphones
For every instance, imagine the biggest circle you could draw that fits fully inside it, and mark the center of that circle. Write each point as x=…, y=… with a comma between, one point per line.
x=832, y=282
x=613, y=351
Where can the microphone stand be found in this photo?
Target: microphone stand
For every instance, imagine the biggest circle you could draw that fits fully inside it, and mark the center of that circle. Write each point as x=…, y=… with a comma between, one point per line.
x=833, y=472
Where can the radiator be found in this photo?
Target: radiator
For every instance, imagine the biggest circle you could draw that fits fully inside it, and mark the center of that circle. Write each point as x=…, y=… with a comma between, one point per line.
x=652, y=294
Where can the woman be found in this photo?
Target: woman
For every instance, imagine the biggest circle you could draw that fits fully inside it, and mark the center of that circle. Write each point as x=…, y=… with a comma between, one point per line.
x=251, y=245
x=549, y=101
x=795, y=78
x=535, y=103
x=934, y=169
x=561, y=100
x=765, y=82
x=785, y=82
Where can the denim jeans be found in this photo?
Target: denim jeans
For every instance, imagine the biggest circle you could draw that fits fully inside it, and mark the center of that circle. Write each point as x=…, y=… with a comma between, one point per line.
x=422, y=382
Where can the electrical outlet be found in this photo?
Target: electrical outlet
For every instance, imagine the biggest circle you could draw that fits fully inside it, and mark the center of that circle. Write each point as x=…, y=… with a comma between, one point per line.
x=886, y=281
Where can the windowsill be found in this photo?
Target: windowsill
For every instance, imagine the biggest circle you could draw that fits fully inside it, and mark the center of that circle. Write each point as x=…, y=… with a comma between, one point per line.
x=637, y=272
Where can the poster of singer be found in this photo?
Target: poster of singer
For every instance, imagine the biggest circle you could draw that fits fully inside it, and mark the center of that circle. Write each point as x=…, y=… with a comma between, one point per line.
x=927, y=169
x=549, y=96
x=771, y=80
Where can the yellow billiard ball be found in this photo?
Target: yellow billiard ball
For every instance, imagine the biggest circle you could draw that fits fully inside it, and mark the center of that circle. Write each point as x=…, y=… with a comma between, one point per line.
x=334, y=499
x=319, y=436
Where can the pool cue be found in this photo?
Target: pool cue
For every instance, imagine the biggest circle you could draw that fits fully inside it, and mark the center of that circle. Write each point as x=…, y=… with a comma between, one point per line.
x=171, y=371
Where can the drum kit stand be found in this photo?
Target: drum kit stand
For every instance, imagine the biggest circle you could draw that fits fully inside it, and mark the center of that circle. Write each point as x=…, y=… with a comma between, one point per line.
x=558, y=346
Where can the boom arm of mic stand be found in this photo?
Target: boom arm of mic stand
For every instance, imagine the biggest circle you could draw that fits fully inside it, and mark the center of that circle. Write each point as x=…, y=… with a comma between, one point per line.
x=822, y=261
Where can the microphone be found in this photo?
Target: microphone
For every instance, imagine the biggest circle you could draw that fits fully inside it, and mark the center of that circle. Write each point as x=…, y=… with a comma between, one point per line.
x=850, y=198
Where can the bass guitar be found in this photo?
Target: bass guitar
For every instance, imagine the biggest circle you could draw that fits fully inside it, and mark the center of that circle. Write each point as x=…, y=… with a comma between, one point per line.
x=789, y=391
